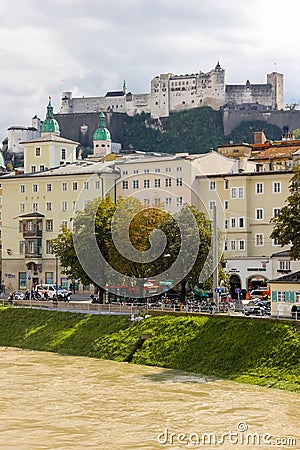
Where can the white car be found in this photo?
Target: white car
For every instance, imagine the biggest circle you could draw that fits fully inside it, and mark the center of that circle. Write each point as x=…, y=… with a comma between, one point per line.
x=52, y=292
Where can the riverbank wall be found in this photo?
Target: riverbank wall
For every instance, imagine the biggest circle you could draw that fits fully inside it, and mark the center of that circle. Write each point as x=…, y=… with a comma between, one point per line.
x=265, y=352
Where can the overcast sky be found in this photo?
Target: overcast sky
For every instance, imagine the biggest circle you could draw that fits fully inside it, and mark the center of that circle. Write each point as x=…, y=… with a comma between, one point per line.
x=89, y=47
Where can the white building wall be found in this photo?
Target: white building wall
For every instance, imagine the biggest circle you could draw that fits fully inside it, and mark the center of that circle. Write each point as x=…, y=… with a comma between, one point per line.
x=248, y=268
x=20, y=134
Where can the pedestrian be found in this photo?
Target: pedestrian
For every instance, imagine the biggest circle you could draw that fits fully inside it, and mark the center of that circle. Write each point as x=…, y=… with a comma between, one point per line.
x=3, y=286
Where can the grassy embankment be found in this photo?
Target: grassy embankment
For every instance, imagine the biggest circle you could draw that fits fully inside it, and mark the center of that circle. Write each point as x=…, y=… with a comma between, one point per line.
x=263, y=352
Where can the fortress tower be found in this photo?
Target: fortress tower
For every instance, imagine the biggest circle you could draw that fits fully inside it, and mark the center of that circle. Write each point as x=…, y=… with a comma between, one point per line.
x=275, y=79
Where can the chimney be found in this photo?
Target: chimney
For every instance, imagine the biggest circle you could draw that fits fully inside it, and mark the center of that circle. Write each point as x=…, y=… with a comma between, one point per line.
x=259, y=137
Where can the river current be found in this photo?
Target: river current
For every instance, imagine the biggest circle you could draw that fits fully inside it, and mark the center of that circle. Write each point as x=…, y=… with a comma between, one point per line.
x=51, y=401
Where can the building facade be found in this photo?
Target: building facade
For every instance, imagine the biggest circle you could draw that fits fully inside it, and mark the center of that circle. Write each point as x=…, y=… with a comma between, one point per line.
x=285, y=295
x=248, y=202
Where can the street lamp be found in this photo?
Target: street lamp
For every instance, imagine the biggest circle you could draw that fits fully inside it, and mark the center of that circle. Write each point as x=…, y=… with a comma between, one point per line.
x=56, y=270
x=167, y=255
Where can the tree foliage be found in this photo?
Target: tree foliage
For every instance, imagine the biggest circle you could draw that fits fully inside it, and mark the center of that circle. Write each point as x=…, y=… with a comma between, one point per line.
x=63, y=244
x=287, y=222
x=125, y=227
x=245, y=131
x=132, y=230
x=194, y=131
x=296, y=133
x=203, y=264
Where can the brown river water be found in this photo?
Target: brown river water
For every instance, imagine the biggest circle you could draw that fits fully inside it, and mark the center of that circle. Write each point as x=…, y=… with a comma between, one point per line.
x=51, y=401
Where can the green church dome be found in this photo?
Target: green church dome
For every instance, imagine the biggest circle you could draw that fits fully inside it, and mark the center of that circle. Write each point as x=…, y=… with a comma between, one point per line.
x=102, y=133
x=50, y=125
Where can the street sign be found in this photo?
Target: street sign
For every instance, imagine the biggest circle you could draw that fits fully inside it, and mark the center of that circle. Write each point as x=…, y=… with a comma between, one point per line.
x=237, y=291
x=29, y=277
x=166, y=283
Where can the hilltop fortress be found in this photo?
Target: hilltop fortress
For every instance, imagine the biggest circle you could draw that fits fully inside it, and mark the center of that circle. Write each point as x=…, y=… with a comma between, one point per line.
x=171, y=93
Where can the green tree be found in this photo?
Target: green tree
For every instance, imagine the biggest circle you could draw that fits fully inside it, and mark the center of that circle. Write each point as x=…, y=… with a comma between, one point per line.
x=296, y=133
x=134, y=242
x=287, y=222
x=97, y=230
x=132, y=230
x=63, y=245
x=194, y=131
x=198, y=241
x=244, y=132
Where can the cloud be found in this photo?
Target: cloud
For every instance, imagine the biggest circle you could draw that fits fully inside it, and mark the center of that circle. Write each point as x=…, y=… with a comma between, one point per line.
x=93, y=45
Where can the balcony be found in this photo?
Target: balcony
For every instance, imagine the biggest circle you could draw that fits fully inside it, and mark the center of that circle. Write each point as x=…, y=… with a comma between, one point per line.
x=31, y=225
x=32, y=256
x=35, y=232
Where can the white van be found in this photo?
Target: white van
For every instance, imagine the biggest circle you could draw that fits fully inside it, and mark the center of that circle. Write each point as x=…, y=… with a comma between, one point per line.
x=52, y=292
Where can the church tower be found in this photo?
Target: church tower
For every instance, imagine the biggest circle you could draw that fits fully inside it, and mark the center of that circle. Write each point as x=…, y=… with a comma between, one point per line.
x=50, y=149
x=101, y=138
x=50, y=125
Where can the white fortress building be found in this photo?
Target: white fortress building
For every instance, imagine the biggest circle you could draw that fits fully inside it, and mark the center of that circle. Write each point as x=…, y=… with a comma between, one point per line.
x=171, y=93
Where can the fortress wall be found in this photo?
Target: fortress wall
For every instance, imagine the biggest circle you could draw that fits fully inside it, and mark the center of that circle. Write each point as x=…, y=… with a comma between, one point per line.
x=70, y=126
x=138, y=103
x=232, y=118
x=261, y=94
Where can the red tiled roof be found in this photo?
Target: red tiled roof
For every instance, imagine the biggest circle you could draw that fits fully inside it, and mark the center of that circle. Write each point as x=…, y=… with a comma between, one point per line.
x=277, y=152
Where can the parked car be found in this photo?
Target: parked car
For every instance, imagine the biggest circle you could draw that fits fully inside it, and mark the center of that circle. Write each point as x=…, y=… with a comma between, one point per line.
x=15, y=296
x=261, y=293
x=259, y=308
x=52, y=292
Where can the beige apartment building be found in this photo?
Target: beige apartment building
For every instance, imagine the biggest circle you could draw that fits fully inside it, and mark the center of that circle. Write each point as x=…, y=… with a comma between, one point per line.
x=248, y=202
x=36, y=205
x=38, y=202
x=170, y=179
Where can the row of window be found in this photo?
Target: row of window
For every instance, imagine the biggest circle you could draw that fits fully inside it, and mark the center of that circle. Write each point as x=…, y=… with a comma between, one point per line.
x=168, y=201
x=49, y=206
x=136, y=184
x=49, y=279
x=156, y=170
x=286, y=296
x=284, y=265
x=64, y=186
x=33, y=249
x=238, y=192
x=259, y=241
x=48, y=225
x=63, y=153
x=235, y=245
x=239, y=222
x=174, y=83
x=65, y=206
